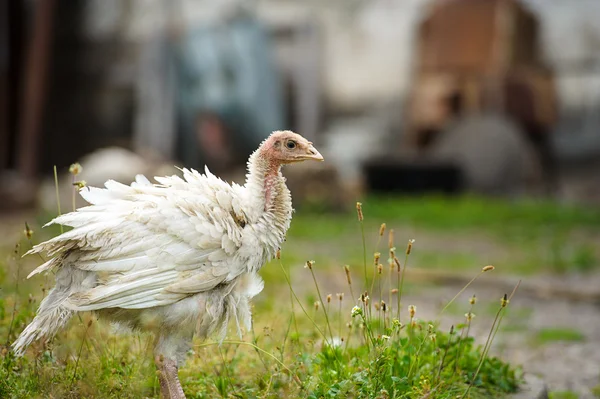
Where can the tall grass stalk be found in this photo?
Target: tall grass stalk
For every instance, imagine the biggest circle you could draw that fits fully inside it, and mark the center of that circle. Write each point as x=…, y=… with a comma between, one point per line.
x=439, y=373
x=259, y=349
x=309, y=264
x=483, y=270
x=287, y=279
x=73, y=192
x=377, y=255
x=401, y=278
x=258, y=353
x=14, y=310
x=462, y=337
x=228, y=374
x=504, y=312
x=89, y=324
x=391, y=266
x=416, y=360
x=495, y=325
x=278, y=256
x=349, y=281
x=340, y=318
x=364, y=242
x=57, y=196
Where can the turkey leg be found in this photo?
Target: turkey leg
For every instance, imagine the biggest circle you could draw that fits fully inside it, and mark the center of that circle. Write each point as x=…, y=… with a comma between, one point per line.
x=170, y=387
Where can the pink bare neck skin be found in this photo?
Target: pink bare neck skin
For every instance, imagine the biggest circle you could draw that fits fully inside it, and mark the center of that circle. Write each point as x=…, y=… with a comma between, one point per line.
x=270, y=167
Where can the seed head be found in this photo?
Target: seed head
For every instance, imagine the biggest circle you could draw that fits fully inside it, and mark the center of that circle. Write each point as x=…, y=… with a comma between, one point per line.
x=394, y=290
x=278, y=254
x=469, y=316
x=452, y=329
x=412, y=310
x=328, y=298
x=381, y=229
x=356, y=311
x=309, y=264
x=379, y=268
x=487, y=268
x=391, y=239
x=473, y=300
x=89, y=324
x=316, y=305
x=80, y=184
x=347, y=270
x=409, y=246
x=430, y=328
x=376, y=257
x=383, y=306
x=397, y=323
x=340, y=296
x=376, y=306
x=28, y=232
x=359, y=211
x=75, y=169
x=433, y=338
x=397, y=262
x=504, y=301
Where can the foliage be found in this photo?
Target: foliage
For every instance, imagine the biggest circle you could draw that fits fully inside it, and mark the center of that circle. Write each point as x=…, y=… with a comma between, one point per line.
x=559, y=334
x=336, y=347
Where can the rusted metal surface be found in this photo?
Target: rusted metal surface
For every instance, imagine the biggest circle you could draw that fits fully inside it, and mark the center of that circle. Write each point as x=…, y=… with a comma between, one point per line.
x=475, y=56
x=34, y=90
x=463, y=36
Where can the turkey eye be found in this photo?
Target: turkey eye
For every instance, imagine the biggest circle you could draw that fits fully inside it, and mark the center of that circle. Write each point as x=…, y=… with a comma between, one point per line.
x=290, y=145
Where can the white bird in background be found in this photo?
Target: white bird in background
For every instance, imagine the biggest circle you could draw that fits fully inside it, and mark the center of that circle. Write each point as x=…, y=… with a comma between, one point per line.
x=176, y=258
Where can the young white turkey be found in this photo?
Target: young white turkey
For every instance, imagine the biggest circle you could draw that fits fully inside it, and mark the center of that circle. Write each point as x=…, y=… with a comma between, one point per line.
x=176, y=258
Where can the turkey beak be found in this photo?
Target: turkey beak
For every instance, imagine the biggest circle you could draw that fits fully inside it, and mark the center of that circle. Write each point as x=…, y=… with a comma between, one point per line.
x=312, y=153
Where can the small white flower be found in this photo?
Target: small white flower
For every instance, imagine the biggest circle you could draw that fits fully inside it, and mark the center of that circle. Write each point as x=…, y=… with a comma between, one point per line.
x=336, y=342
x=385, y=337
x=356, y=311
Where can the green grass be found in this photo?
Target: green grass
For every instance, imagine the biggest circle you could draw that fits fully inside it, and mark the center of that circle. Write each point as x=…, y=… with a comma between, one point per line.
x=477, y=212
x=558, y=334
x=526, y=216
x=288, y=354
x=563, y=395
x=530, y=236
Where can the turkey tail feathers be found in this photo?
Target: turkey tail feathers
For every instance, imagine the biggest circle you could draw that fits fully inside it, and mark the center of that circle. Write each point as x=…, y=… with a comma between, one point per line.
x=51, y=317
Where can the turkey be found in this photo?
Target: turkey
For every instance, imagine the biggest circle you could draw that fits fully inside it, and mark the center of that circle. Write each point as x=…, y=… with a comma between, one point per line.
x=177, y=258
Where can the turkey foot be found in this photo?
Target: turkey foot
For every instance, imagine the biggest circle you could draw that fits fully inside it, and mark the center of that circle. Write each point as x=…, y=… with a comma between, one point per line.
x=170, y=387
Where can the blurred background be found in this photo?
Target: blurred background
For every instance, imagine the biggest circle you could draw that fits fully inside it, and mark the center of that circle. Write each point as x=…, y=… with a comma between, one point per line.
x=470, y=125
x=413, y=96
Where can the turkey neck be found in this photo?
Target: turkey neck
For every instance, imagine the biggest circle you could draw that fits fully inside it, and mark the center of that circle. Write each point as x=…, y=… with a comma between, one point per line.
x=268, y=192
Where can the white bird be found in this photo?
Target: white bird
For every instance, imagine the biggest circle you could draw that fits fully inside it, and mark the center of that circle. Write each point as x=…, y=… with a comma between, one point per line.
x=176, y=258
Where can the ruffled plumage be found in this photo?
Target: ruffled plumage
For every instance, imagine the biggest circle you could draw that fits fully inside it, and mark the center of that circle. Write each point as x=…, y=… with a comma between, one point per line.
x=151, y=246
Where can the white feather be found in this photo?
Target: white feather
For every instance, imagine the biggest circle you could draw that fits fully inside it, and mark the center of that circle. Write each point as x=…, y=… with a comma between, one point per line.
x=180, y=253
